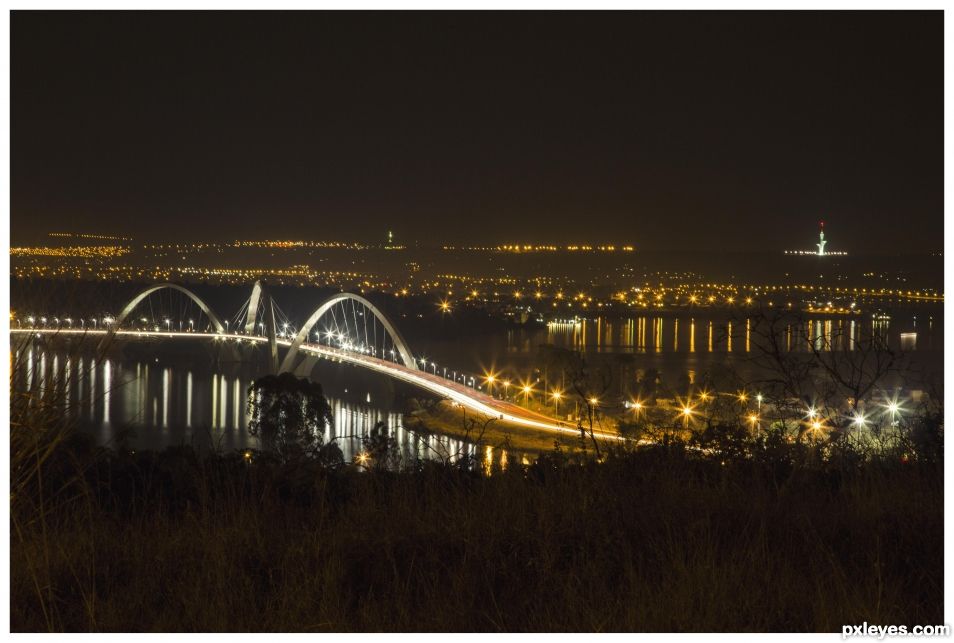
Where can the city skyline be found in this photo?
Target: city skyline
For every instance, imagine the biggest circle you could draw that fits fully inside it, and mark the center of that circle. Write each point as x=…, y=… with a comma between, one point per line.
x=471, y=129
x=389, y=240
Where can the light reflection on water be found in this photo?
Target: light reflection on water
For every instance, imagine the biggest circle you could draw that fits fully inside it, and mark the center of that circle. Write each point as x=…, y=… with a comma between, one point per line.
x=666, y=334
x=165, y=405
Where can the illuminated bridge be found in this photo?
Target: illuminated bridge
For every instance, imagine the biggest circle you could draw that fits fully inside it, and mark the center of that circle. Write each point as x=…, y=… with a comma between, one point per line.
x=346, y=328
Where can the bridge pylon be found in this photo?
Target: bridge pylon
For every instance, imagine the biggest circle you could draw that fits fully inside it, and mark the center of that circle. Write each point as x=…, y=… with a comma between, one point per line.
x=262, y=297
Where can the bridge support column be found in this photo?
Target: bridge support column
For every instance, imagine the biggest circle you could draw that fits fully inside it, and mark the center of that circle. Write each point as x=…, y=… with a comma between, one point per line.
x=272, y=343
x=306, y=366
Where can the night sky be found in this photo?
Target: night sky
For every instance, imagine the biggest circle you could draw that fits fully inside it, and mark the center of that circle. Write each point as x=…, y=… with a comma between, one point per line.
x=671, y=131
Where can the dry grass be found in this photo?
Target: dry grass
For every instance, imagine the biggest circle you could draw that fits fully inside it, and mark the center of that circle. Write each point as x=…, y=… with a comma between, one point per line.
x=647, y=541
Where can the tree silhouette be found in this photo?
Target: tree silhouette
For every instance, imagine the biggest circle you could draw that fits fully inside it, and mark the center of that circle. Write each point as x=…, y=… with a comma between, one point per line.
x=288, y=414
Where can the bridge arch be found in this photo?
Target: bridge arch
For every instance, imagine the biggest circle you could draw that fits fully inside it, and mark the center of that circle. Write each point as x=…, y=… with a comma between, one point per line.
x=289, y=362
x=253, y=304
x=216, y=322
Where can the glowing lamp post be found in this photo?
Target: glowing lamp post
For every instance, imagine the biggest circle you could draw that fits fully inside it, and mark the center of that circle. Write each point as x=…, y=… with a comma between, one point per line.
x=758, y=400
x=686, y=414
x=556, y=402
x=894, y=409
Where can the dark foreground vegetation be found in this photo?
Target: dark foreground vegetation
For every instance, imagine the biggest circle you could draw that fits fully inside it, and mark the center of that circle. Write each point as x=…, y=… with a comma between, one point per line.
x=777, y=537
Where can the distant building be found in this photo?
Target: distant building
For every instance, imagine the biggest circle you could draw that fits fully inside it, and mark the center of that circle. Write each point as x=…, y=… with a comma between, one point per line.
x=820, y=246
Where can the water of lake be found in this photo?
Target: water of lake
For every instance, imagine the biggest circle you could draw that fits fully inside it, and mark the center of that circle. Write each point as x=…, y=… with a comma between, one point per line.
x=163, y=402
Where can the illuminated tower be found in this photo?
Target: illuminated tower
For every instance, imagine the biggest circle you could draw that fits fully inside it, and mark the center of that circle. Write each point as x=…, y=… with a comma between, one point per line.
x=821, y=238
x=390, y=238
